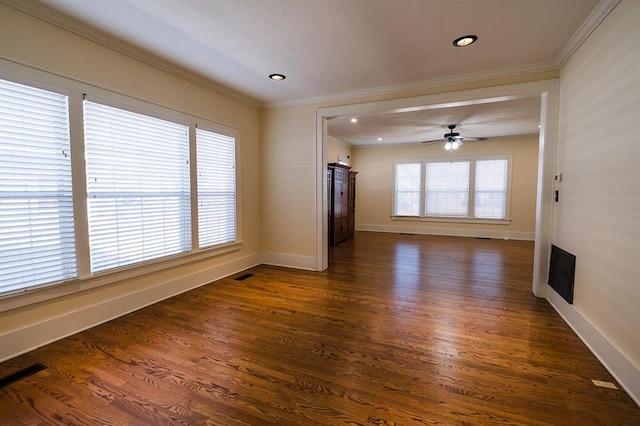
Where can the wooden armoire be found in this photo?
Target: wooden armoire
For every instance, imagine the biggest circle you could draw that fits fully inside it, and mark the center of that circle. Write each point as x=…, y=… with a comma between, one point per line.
x=341, y=191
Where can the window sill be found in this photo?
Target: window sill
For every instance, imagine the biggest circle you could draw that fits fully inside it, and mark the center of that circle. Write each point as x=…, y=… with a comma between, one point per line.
x=45, y=292
x=451, y=220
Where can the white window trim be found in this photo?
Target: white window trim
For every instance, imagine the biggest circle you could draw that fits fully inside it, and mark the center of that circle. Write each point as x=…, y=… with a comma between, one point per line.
x=75, y=89
x=422, y=217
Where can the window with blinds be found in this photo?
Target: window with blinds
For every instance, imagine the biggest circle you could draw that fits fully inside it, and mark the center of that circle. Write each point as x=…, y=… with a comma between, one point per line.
x=475, y=188
x=447, y=189
x=138, y=196
x=37, y=242
x=490, y=189
x=216, y=171
x=408, y=189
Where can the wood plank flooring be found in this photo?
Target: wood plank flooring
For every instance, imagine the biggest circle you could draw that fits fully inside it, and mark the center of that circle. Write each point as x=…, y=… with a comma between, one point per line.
x=402, y=329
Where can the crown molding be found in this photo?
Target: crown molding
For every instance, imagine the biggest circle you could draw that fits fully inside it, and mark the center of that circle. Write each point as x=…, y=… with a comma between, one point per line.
x=51, y=16
x=416, y=86
x=597, y=15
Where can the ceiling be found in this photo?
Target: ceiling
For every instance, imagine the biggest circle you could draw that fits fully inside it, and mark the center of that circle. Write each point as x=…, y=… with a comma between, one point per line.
x=339, y=49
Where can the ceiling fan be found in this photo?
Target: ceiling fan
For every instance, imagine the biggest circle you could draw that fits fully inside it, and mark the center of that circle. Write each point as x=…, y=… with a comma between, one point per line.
x=453, y=140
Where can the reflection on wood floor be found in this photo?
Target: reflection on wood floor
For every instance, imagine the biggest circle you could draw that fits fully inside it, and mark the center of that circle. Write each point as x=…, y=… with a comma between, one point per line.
x=402, y=329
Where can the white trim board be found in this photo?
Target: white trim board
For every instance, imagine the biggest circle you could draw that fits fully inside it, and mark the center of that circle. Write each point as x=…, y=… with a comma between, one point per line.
x=289, y=261
x=625, y=373
x=450, y=232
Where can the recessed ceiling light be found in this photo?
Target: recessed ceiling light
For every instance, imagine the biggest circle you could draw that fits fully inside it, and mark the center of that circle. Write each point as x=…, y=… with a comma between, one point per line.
x=354, y=120
x=465, y=40
x=379, y=139
x=277, y=77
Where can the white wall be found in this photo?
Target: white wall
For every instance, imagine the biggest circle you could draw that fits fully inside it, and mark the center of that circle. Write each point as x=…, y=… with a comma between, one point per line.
x=375, y=187
x=598, y=216
x=29, y=46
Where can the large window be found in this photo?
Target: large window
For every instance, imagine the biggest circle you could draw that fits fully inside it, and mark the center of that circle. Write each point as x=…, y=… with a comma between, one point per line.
x=474, y=188
x=137, y=186
x=91, y=185
x=37, y=243
x=216, y=188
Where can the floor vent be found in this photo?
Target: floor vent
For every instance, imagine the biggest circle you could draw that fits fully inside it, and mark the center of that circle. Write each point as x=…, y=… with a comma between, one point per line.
x=19, y=375
x=562, y=270
x=243, y=277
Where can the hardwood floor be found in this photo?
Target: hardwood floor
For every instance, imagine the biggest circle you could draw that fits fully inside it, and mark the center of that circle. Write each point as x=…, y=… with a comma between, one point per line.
x=402, y=329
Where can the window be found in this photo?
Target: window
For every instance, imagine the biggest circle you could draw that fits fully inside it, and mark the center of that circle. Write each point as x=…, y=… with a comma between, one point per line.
x=464, y=189
x=89, y=186
x=37, y=242
x=408, y=177
x=491, y=189
x=447, y=189
x=216, y=182
x=137, y=186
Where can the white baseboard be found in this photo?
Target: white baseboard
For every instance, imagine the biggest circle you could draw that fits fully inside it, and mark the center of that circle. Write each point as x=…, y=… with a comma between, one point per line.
x=451, y=232
x=626, y=374
x=289, y=261
x=23, y=340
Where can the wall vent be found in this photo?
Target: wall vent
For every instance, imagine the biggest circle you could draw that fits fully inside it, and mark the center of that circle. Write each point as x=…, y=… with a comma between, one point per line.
x=562, y=270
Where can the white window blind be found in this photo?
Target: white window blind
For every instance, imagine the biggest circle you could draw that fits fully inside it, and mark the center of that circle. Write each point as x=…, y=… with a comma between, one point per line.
x=447, y=189
x=490, y=189
x=216, y=188
x=408, y=189
x=37, y=244
x=137, y=186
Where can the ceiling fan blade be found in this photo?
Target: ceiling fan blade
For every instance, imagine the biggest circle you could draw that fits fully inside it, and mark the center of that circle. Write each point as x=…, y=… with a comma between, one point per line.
x=427, y=143
x=470, y=138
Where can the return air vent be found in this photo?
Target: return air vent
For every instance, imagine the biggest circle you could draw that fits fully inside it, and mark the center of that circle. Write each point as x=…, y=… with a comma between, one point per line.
x=562, y=270
x=19, y=375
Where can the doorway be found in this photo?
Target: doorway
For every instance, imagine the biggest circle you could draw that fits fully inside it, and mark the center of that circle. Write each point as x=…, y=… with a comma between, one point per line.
x=546, y=90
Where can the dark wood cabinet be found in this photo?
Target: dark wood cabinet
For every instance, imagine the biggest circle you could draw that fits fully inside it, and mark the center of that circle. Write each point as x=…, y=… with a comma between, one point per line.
x=341, y=191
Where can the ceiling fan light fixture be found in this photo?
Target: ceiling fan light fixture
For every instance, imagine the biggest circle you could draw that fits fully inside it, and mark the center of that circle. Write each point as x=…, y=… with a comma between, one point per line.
x=277, y=77
x=448, y=146
x=455, y=145
x=465, y=40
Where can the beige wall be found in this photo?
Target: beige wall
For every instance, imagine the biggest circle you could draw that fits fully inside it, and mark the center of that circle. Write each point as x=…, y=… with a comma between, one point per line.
x=288, y=186
x=290, y=132
x=598, y=153
x=375, y=187
x=338, y=149
x=33, y=42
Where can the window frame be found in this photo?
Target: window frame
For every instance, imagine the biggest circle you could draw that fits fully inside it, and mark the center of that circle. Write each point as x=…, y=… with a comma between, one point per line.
x=422, y=217
x=224, y=131
x=186, y=244
x=76, y=90
x=19, y=80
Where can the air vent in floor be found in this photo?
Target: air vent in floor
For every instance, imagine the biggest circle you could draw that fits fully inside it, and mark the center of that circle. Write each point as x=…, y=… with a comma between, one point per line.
x=243, y=277
x=19, y=375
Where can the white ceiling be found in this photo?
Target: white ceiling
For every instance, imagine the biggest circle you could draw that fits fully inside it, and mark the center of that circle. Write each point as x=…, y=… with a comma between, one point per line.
x=335, y=49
